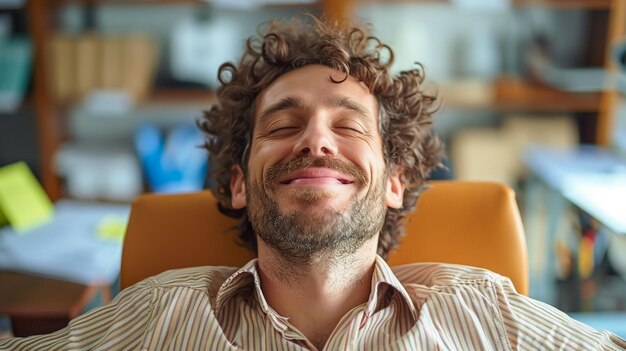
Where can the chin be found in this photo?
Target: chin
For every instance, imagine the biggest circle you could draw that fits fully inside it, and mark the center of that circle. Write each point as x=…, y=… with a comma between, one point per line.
x=315, y=198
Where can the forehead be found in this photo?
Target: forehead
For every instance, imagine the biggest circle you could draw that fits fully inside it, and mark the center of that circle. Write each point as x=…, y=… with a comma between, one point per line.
x=316, y=85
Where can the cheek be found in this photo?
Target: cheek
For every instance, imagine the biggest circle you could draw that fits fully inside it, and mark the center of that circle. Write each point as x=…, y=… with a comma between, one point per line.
x=367, y=156
x=265, y=155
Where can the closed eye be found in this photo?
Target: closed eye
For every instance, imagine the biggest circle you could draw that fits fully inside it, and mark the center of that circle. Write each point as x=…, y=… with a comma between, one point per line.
x=282, y=130
x=348, y=123
x=351, y=129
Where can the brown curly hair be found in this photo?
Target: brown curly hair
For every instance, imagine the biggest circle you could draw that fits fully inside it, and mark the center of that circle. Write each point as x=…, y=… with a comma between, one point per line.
x=405, y=110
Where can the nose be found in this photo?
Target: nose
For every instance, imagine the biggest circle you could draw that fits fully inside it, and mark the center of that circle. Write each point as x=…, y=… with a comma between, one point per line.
x=317, y=140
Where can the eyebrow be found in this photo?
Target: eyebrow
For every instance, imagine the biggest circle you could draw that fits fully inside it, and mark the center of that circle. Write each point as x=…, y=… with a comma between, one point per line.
x=344, y=102
x=292, y=102
x=286, y=103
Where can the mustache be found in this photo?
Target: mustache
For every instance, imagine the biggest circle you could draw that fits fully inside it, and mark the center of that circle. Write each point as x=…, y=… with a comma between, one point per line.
x=277, y=171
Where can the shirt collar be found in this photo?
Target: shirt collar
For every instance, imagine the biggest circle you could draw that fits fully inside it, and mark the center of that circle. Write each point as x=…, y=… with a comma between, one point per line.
x=384, y=286
x=243, y=279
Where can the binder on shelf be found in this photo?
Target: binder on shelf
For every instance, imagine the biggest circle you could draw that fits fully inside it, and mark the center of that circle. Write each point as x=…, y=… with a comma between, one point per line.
x=87, y=59
x=111, y=65
x=62, y=67
x=86, y=63
x=139, y=63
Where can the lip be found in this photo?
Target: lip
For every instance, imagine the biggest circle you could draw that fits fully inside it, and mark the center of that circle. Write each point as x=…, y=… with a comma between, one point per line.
x=316, y=176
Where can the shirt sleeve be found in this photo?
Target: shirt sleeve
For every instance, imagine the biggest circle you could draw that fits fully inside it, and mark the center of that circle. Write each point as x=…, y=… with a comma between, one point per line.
x=119, y=325
x=534, y=325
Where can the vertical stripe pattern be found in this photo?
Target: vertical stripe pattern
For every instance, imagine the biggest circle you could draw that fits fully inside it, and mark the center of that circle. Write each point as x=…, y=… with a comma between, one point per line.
x=421, y=306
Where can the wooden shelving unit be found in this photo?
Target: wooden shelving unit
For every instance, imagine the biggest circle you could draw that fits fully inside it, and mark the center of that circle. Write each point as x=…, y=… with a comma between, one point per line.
x=509, y=93
x=48, y=132
x=126, y=2
x=182, y=96
x=574, y=4
x=610, y=98
x=161, y=2
x=578, y=4
x=515, y=94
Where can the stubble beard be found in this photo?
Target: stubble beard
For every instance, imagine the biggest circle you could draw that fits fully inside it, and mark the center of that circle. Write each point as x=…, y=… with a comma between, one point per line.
x=300, y=236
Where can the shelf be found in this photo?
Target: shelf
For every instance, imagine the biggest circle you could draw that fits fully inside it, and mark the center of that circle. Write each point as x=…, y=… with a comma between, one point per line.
x=551, y=3
x=559, y=4
x=566, y=4
x=169, y=2
x=159, y=96
x=506, y=93
x=182, y=96
x=127, y=2
x=516, y=94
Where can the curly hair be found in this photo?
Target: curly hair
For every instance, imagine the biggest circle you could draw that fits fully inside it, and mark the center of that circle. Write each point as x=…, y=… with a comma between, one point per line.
x=405, y=120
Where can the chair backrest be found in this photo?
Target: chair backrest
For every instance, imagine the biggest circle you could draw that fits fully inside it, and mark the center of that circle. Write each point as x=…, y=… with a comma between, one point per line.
x=471, y=223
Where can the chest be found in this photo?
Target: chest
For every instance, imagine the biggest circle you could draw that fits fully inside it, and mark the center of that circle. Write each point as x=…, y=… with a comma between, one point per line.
x=444, y=322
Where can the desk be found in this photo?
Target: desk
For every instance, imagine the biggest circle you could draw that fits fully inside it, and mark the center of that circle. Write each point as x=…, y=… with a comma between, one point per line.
x=39, y=305
x=591, y=178
x=50, y=273
x=67, y=247
x=588, y=177
x=601, y=196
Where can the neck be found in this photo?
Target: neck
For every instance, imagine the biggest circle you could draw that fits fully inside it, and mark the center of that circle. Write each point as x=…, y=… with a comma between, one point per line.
x=317, y=294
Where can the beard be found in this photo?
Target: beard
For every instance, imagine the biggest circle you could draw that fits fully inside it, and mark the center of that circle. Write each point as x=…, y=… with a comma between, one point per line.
x=300, y=235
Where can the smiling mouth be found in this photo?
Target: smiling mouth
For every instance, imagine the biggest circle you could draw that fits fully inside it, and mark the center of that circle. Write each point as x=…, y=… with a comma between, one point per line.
x=316, y=181
x=316, y=176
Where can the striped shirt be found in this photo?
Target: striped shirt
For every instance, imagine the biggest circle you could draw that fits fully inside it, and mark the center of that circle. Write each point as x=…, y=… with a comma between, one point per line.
x=421, y=306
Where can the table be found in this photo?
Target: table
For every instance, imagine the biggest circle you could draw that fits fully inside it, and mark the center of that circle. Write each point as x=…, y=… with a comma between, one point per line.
x=50, y=273
x=40, y=305
x=591, y=178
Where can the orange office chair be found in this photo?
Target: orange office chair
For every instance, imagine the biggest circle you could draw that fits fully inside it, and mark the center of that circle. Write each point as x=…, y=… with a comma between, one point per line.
x=471, y=223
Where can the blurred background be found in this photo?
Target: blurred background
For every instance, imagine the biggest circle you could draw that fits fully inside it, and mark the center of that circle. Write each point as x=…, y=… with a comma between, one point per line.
x=98, y=102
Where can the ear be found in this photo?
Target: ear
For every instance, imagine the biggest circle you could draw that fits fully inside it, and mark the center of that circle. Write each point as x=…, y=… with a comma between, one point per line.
x=395, y=188
x=237, y=188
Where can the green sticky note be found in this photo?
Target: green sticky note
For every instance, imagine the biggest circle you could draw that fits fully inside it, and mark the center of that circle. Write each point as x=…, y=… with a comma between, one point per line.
x=23, y=201
x=111, y=228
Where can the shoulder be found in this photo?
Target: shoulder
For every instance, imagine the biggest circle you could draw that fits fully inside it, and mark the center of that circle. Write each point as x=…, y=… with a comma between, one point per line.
x=181, y=289
x=205, y=278
x=445, y=275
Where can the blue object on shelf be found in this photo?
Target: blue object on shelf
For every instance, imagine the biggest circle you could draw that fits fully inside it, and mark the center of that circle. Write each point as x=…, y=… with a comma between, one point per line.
x=15, y=67
x=174, y=164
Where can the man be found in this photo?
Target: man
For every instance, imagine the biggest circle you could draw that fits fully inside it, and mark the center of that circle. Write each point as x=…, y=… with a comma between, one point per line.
x=321, y=153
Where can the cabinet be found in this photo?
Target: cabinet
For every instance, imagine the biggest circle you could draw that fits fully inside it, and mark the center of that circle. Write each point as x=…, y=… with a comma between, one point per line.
x=509, y=93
